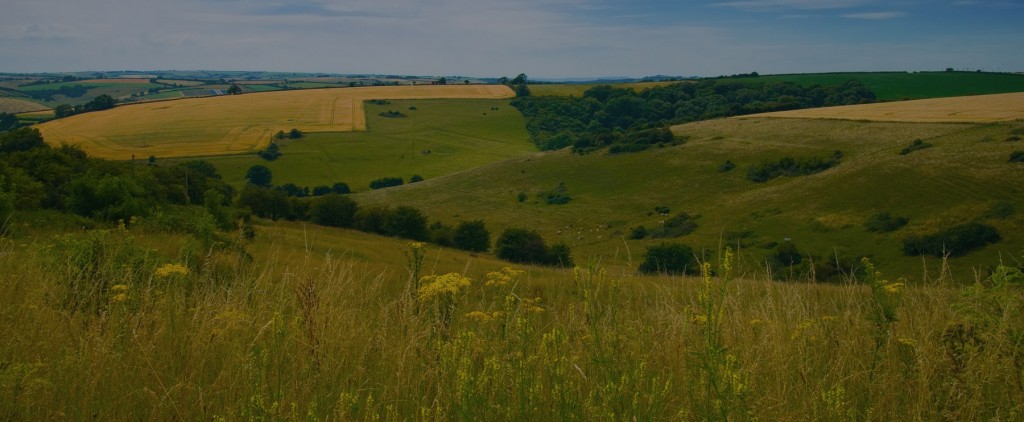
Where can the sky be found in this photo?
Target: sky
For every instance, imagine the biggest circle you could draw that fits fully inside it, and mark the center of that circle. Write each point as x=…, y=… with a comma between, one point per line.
x=491, y=38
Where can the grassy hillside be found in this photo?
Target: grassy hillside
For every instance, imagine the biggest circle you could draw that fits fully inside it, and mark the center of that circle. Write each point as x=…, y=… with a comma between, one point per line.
x=304, y=323
x=436, y=137
x=963, y=176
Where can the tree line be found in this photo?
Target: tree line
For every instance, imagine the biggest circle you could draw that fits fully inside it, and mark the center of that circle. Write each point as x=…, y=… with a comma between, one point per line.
x=191, y=196
x=627, y=120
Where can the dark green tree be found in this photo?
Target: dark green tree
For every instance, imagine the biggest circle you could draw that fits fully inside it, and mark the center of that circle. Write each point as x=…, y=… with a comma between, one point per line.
x=472, y=236
x=669, y=258
x=333, y=210
x=259, y=175
x=521, y=246
x=234, y=89
x=22, y=139
x=408, y=223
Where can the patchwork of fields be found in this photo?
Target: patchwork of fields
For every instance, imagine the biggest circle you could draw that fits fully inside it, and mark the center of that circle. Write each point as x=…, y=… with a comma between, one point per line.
x=972, y=109
x=234, y=124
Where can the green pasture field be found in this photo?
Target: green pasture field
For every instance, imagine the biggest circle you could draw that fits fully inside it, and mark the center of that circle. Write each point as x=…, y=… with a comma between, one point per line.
x=311, y=85
x=965, y=174
x=260, y=88
x=113, y=89
x=459, y=135
x=917, y=85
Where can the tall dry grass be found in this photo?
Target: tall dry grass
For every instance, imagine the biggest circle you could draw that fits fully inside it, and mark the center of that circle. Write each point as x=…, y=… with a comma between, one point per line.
x=212, y=334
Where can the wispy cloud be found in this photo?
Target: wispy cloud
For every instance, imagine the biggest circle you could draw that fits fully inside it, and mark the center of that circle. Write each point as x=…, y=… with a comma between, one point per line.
x=789, y=4
x=875, y=16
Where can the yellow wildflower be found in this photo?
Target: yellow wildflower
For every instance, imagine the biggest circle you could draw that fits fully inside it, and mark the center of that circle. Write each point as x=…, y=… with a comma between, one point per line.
x=432, y=287
x=120, y=297
x=893, y=288
x=503, y=277
x=171, y=269
x=756, y=322
x=699, y=319
x=119, y=288
x=482, y=316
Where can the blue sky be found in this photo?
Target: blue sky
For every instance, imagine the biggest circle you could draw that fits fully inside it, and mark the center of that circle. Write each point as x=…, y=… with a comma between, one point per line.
x=542, y=38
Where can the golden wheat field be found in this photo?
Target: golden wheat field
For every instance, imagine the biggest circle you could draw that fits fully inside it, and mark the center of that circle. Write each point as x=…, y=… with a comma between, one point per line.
x=233, y=124
x=15, y=105
x=971, y=109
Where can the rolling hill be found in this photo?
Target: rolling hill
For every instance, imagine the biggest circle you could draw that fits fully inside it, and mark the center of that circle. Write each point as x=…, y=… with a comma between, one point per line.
x=961, y=178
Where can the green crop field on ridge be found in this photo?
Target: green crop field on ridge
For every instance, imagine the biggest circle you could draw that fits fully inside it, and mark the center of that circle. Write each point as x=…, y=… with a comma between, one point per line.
x=436, y=137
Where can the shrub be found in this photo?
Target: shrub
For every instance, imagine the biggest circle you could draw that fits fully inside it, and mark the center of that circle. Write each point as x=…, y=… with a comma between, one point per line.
x=726, y=166
x=321, y=190
x=392, y=114
x=1017, y=157
x=259, y=175
x=441, y=234
x=1000, y=211
x=786, y=254
x=527, y=247
x=271, y=153
x=790, y=167
x=669, y=258
x=557, y=196
x=415, y=178
x=472, y=236
x=955, y=241
x=295, y=134
x=386, y=182
x=408, y=223
x=340, y=188
x=638, y=232
x=884, y=223
x=917, y=145
x=679, y=225
x=333, y=210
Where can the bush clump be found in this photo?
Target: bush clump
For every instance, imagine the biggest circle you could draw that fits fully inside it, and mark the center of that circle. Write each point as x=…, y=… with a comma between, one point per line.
x=916, y=145
x=955, y=241
x=527, y=247
x=1017, y=157
x=679, y=225
x=669, y=258
x=386, y=182
x=790, y=167
x=884, y=222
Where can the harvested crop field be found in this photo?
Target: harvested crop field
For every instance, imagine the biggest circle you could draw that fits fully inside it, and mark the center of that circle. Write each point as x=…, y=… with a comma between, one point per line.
x=233, y=124
x=15, y=105
x=971, y=109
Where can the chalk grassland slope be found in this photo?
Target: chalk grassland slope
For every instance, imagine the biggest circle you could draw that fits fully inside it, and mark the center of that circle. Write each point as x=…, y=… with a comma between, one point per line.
x=17, y=105
x=436, y=137
x=971, y=109
x=959, y=179
x=904, y=85
x=232, y=124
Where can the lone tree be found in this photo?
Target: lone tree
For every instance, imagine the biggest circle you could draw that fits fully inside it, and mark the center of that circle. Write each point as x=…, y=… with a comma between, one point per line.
x=234, y=90
x=259, y=175
x=472, y=236
x=669, y=258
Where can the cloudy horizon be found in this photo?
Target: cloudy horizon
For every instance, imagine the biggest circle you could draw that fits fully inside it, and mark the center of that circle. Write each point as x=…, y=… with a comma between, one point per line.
x=486, y=38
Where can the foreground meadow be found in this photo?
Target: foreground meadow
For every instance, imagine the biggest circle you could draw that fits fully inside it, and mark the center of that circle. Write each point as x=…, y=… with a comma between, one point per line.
x=333, y=325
